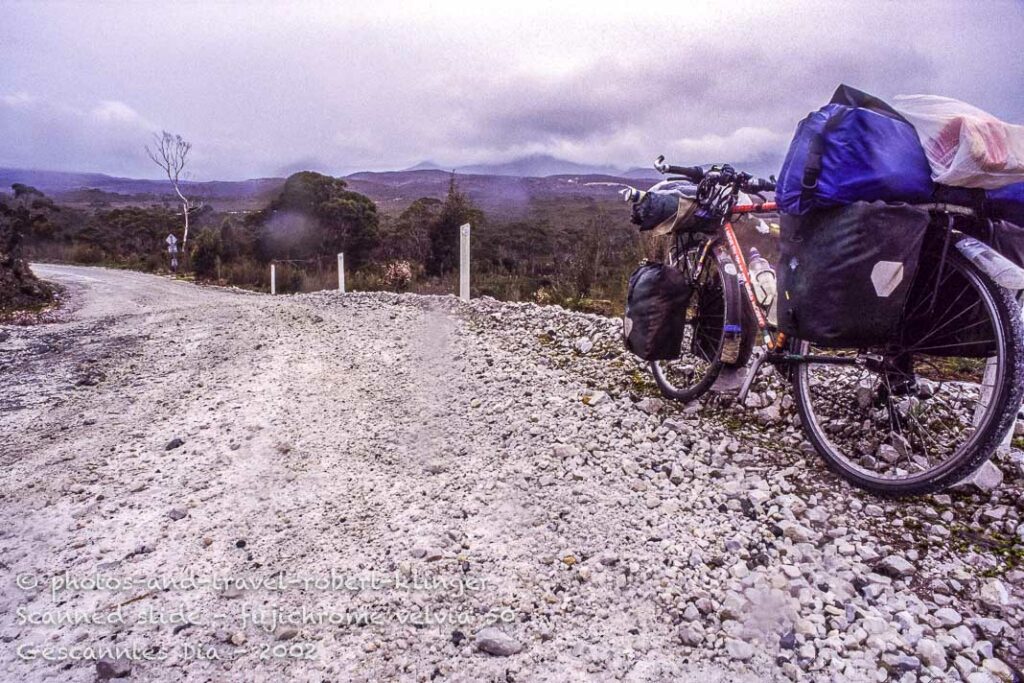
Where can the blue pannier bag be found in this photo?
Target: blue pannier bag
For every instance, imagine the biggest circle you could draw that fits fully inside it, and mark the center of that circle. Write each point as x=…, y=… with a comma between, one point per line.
x=856, y=148
x=1006, y=203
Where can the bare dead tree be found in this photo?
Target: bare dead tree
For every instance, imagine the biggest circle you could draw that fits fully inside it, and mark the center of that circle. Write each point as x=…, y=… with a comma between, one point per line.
x=170, y=152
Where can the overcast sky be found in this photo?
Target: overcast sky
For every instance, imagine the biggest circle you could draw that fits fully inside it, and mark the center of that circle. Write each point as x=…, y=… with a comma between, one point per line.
x=269, y=88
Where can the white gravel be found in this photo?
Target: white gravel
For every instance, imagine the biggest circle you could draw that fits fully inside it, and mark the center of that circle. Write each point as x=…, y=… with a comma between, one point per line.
x=475, y=465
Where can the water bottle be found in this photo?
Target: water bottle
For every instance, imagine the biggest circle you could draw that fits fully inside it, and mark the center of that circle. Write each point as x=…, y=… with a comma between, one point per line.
x=762, y=277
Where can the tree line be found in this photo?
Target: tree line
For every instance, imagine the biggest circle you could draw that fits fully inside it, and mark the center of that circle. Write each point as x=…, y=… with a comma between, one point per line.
x=572, y=253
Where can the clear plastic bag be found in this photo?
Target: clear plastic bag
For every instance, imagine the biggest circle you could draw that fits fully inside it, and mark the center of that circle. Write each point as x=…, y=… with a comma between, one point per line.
x=965, y=146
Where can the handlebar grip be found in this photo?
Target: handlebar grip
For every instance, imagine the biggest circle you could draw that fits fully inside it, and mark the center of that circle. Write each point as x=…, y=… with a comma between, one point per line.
x=759, y=185
x=694, y=173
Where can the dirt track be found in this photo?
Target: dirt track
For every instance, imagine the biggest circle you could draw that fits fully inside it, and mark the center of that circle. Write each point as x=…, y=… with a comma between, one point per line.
x=424, y=466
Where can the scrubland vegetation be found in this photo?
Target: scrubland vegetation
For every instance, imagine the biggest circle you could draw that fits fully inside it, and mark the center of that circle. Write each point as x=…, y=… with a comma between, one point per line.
x=575, y=251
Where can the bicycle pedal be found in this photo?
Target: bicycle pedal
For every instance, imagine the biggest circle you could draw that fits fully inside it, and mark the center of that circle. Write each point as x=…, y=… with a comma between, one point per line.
x=729, y=380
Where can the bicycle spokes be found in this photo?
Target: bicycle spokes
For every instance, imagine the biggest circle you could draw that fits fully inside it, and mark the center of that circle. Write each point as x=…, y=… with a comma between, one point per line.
x=915, y=415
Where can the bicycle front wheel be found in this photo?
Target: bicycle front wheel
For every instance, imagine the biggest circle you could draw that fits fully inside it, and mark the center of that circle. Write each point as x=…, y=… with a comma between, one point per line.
x=700, y=358
x=921, y=415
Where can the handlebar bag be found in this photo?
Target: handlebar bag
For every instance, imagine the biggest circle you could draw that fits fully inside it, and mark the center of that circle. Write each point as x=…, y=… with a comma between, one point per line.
x=856, y=148
x=653, y=210
x=845, y=273
x=662, y=211
x=656, y=303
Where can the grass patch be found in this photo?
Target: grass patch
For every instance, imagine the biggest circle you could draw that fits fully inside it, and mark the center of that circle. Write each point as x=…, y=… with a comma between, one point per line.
x=1006, y=549
x=642, y=383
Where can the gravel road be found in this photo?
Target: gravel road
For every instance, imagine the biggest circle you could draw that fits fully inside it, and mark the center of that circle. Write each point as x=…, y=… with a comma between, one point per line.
x=226, y=486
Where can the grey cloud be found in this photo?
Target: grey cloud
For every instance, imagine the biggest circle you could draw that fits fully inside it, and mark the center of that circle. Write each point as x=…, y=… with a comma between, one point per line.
x=598, y=100
x=44, y=134
x=308, y=163
x=700, y=101
x=368, y=87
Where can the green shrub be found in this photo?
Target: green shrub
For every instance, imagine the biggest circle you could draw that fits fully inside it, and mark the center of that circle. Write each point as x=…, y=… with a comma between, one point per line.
x=206, y=254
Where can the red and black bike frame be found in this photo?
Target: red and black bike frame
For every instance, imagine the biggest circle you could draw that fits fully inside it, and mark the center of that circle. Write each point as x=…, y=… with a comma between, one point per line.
x=741, y=263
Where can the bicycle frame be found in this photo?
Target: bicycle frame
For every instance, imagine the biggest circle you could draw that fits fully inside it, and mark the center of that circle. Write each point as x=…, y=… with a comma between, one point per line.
x=773, y=348
x=736, y=252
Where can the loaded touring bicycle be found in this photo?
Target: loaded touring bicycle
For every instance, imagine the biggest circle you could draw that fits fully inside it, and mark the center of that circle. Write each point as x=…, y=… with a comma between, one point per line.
x=897, y=322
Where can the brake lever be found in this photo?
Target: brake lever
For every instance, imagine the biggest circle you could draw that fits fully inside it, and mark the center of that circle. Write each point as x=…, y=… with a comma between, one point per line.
x=659, y=164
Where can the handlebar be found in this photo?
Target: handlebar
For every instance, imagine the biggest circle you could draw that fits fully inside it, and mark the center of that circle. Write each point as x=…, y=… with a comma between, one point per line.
x=692, y=173
x=722, y=175
x=756, y=185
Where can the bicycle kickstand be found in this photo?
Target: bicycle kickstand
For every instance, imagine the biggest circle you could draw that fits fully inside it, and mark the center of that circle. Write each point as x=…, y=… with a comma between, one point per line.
x=756, y=362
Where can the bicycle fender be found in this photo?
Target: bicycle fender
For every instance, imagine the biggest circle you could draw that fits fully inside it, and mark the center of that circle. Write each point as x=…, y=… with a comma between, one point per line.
x=1002, y=270
x=738, y=317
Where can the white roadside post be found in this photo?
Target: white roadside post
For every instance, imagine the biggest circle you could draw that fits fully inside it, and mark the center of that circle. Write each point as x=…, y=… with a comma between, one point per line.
x=464, y=262
x=273, y=279
x=341, y=273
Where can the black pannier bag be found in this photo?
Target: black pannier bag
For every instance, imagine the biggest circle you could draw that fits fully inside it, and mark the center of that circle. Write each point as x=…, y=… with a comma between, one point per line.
x=656, y=305
x=845, y=273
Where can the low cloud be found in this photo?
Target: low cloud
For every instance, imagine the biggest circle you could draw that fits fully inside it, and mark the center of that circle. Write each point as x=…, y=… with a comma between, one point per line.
x=43, y=134
x=626, y=112
x=18, y=99
x=742, y=146
x=114, y=112
x=377, y=88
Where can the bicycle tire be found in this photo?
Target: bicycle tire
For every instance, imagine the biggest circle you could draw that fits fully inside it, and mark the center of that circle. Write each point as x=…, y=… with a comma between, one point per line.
x=981, y=446
x=720, y=290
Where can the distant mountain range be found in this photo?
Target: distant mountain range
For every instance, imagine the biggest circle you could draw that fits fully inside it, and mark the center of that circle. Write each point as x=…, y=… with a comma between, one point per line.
x=538, y=166
x=508, y=187
x=57, y=182
x=533, y=166
x=509, y=196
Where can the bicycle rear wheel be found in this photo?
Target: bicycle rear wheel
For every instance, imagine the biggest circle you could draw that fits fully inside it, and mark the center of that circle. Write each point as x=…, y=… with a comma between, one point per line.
x=921, y=415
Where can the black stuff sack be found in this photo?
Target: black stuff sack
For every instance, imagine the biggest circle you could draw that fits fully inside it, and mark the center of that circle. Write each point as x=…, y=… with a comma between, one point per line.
x=666, y=207
x=845, y=273
x=654, y=209
x=656, y=303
